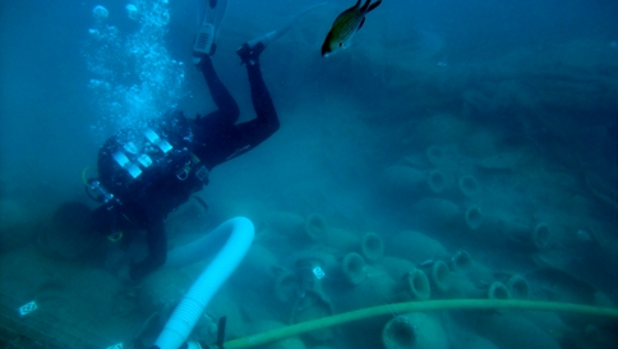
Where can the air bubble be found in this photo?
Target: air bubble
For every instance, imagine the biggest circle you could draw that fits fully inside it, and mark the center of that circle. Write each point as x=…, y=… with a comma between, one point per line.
x=115, y=58
x=132, y=11
x=100, y=12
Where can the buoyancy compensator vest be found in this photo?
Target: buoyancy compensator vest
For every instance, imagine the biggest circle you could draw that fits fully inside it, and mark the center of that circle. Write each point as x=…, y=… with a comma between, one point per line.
x=142, y=166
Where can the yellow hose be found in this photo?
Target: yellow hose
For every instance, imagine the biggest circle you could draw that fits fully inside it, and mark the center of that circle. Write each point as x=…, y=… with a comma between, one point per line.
x=84, y=171
x=338, y=319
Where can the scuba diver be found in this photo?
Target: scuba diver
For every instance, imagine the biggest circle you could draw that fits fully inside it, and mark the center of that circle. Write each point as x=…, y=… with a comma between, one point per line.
x=141, y=181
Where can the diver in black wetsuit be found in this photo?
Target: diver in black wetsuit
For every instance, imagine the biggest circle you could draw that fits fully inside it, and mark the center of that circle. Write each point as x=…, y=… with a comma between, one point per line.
x=141, y=185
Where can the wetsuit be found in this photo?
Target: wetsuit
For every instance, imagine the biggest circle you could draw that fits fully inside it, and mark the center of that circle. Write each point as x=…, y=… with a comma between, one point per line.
x=197, y=146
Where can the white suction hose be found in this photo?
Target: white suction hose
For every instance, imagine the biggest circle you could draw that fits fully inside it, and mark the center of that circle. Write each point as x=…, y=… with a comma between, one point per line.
x=232, y=239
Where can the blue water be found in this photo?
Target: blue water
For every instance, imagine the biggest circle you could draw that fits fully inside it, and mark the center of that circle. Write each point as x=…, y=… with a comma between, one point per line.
x=520, y=95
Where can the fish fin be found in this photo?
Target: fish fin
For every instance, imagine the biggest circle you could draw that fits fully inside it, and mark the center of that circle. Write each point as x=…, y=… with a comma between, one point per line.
x=344, y=13
x=374, y=5
x=361, y=24
x=365, y=6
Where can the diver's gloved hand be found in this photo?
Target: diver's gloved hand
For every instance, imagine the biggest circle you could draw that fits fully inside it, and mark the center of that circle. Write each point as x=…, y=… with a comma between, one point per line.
x=250, y=55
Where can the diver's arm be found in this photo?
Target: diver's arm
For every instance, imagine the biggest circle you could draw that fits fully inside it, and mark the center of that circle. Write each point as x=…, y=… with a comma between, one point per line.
x=157, y=250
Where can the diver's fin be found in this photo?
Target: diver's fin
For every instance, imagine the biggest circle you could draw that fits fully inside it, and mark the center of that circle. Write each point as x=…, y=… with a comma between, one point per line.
x=201, y=11
x=364, y=7
x=220, y=10
x=204, y=39
x=210, y=16
x=211, y=11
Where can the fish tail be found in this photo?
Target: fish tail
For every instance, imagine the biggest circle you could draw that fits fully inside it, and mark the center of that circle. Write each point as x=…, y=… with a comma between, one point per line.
x=357, y=5
x=373, y=6
x=365, y=6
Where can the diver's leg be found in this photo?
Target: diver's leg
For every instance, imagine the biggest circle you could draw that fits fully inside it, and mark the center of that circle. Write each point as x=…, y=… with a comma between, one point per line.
x=210, y=16
x=245, y=136
x=262, y=101
x=267, y=122
x=228, y=112
x=249, y=53
x=260, y=96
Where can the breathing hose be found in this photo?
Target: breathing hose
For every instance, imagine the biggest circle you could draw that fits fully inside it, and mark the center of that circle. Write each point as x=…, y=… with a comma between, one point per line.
x=453, y=304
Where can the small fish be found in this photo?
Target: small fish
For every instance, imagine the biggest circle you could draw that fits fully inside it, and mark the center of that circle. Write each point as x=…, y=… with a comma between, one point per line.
x=346, y=25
